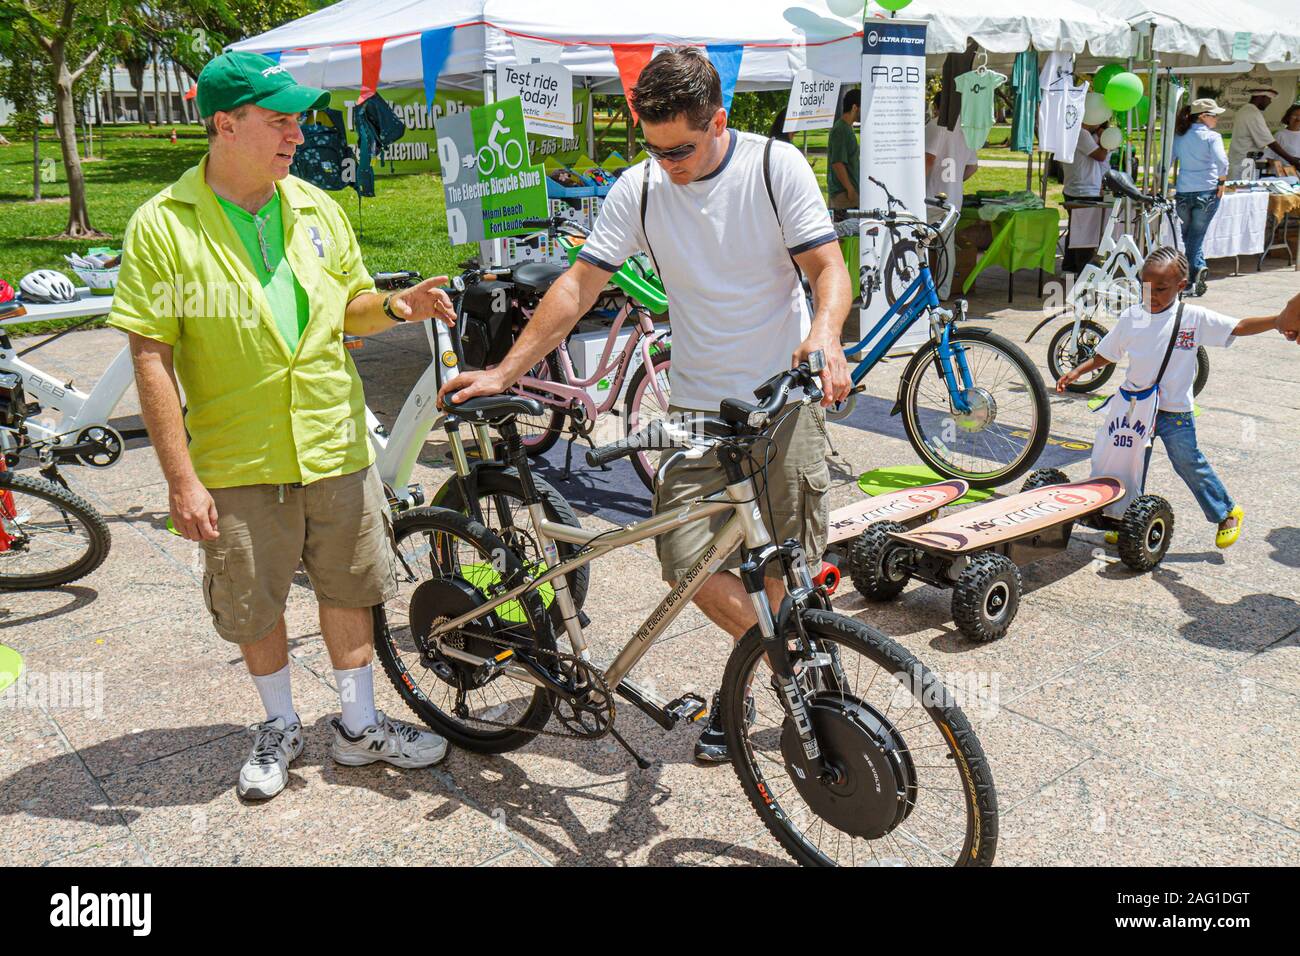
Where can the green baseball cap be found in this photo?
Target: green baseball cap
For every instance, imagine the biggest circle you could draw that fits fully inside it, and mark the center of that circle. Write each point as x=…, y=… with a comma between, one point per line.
x=240, y=77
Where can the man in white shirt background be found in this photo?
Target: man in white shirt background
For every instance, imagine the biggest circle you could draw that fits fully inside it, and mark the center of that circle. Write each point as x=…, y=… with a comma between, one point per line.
x=1083, y=178
x=739, y=314
x=1251, y=133
x=949, y=162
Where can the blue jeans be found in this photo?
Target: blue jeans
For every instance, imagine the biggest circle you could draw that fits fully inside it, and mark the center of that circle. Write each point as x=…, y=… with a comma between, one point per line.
x=1178, y=431
x=1195, y=210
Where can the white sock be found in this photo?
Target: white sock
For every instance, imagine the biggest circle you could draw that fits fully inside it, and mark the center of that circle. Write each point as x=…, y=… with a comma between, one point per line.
x=277, y=695
x=357, y=695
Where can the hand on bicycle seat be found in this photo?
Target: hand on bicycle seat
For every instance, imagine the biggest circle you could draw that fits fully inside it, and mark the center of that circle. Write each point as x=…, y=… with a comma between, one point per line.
x=471, y=384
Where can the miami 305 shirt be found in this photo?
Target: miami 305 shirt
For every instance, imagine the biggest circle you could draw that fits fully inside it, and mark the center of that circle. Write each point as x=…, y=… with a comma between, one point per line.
x=737, y=306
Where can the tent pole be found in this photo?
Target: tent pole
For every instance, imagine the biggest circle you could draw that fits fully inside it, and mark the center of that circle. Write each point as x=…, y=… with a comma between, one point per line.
x=491, y=250
x=591, y=119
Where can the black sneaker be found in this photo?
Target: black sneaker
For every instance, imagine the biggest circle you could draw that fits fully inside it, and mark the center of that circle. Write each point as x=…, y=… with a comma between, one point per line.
x=712, y=745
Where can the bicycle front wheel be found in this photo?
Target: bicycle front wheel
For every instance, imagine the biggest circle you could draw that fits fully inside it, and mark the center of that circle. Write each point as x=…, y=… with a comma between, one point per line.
x=901, y=270
x=1001, y=431
x=48, y=535
x=1066, y=352
x=911, y=785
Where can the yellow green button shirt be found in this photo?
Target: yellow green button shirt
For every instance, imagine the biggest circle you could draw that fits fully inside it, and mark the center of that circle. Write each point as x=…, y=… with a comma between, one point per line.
x=257, y=413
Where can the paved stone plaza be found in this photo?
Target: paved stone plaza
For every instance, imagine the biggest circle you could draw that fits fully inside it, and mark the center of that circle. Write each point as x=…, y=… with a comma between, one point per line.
x=1128, y=719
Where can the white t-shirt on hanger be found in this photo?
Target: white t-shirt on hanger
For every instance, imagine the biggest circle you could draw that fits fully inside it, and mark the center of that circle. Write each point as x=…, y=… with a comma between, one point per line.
x=1060, y=106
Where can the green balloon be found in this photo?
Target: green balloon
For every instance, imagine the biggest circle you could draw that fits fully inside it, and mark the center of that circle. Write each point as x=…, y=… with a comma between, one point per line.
x=1140, y=113
x=1104, y=76
x=1123, y=91
x=893, y=5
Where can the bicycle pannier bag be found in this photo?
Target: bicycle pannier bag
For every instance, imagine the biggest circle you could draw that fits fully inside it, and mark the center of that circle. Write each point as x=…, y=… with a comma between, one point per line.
x=486, y=331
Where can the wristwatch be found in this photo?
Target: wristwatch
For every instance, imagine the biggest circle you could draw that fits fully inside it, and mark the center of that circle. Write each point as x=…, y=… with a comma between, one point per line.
x=388, y=310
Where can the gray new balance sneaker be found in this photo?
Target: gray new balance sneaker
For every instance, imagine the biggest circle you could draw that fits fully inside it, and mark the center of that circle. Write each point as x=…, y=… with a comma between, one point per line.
x=276, y=744
x=394, y=741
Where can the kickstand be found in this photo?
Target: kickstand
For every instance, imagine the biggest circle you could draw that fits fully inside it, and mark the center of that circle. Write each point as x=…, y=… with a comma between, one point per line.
x=640, y=761
x=835, y=453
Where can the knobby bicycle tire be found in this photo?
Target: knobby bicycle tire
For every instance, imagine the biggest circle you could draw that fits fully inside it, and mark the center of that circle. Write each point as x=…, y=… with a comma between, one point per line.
x=72, y=506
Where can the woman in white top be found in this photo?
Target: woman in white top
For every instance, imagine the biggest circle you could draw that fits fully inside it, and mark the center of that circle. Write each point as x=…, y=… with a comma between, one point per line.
x=1288, y=137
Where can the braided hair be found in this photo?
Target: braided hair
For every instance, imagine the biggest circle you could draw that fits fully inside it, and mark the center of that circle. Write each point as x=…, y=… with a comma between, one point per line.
x=1166, y=255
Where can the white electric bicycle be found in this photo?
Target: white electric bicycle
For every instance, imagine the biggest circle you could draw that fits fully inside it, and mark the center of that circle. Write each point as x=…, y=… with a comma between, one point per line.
x=1107, y=286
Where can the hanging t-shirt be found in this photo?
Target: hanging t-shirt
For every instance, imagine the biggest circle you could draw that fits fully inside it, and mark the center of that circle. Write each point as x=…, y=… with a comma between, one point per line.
x=1144, y=337
x=976, y=90
x=951, y=157
x=1024, y=80
x=738, y=307
x=1060, y=108
x=262, y=234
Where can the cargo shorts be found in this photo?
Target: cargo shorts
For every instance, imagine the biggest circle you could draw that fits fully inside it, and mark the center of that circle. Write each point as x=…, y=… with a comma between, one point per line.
x=338, y=528
x=798, y=479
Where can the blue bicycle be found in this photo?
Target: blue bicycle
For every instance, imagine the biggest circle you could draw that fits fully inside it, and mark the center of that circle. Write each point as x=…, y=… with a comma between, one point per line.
x=973, y=405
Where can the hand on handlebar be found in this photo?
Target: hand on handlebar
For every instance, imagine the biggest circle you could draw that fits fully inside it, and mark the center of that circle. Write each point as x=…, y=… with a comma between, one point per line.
x=469, y=385
x=425, y=301
x=835, y=380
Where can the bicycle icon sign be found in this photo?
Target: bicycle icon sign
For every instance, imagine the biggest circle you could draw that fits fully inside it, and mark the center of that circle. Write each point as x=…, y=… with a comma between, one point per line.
x=509, y=155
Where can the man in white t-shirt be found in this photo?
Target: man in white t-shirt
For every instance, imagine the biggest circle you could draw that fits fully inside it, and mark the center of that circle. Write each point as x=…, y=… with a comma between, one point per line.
x=1251, y=133
x=1143, y=333
x=724, y=250
x=1083, y=176
x=949, y=162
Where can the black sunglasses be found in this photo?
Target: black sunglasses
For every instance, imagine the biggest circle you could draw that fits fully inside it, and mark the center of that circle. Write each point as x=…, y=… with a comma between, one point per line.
x=674, y=155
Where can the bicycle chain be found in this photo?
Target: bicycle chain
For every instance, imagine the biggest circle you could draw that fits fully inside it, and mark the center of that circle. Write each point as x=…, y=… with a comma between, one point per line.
x=593, y=677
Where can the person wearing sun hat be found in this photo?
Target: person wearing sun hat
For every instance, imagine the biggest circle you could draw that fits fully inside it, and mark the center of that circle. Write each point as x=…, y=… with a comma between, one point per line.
x=1202, y=171
x=1251, y=134
x=240, y=281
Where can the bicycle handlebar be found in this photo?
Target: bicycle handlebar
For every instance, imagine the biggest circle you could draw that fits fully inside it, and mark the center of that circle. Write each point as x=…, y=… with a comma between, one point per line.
x=736, y=417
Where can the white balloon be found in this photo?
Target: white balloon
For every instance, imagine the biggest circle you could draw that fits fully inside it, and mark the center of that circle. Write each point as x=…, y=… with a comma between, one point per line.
x=1111, y=138
x=846, y=8
x=1095, y=109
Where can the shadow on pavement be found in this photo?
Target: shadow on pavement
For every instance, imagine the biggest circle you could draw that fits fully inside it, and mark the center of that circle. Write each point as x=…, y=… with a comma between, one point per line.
x=1241, y=625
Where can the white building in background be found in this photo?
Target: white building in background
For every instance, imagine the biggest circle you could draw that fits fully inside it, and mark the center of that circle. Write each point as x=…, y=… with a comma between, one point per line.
x=117, y=103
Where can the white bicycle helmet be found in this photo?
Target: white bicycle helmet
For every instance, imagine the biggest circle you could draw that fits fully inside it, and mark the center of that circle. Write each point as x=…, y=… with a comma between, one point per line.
x=47, y=285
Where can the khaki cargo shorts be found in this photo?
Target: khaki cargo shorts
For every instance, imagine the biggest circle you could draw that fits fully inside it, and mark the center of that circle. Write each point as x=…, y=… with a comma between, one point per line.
x=338, y=528
x=799, y=481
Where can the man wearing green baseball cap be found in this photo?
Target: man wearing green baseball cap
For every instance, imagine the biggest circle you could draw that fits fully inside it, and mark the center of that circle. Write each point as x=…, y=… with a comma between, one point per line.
x=240, y=281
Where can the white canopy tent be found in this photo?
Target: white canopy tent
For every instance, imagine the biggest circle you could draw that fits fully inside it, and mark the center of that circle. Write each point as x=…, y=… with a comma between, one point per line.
x=780, y=36
x=1199, y=32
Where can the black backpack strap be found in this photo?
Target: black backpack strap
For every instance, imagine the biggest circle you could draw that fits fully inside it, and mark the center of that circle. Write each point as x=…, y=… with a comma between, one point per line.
x=771, y=197
x=645, y=203
x=1178, y=325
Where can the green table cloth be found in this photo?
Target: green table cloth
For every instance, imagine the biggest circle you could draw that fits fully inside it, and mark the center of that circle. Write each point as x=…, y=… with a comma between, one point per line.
x=1022, y=239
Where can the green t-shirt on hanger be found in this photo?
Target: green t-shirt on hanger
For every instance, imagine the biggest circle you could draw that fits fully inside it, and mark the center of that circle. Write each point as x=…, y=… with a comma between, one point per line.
x=976, y=90
x=1024, y=79
x=263, y=236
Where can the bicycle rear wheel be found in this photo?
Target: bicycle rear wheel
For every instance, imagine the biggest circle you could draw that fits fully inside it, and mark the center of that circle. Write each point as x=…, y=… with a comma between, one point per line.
x=1001, y=435
x=913, y=788
x=642, y=406
x=901, y=270
x=447, y=565
x=48, y=535
x=540, y=433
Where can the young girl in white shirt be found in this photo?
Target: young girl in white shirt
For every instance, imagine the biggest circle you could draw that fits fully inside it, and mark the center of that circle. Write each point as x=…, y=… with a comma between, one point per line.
x=1143, y=333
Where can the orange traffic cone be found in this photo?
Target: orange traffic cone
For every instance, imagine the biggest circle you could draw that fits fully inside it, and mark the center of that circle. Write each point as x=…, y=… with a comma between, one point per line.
x=173, y=136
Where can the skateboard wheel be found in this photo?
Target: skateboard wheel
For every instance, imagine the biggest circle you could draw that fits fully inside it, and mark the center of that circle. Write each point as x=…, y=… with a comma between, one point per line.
x=877, y=563
x=1044, y=477
x=987, y=596
x=1145, y=531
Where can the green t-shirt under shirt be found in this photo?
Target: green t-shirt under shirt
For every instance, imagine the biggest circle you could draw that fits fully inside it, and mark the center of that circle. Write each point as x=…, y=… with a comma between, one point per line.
x=263, y=237
x=843, y=148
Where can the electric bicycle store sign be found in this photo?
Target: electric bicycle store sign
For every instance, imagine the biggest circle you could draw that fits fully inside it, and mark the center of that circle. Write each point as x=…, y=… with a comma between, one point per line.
x=489, y=185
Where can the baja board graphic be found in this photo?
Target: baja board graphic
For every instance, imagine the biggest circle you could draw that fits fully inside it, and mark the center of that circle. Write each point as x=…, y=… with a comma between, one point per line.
x=1019, y=515
x=900, y=506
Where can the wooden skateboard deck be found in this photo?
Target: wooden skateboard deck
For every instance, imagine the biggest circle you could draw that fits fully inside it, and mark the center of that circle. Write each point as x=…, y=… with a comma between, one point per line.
x=901, y=506
x=1018, y=516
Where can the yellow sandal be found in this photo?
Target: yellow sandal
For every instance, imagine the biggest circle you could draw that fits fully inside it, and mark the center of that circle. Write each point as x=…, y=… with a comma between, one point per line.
x=1227, y=537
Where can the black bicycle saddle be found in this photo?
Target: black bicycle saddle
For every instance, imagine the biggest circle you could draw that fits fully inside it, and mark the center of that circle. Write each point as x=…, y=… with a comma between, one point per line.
x=494, y=408
x=1120, y=184
x=536, y=276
